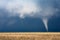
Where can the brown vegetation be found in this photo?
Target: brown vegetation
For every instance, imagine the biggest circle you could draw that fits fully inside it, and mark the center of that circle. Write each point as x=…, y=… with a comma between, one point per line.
x=29, y=36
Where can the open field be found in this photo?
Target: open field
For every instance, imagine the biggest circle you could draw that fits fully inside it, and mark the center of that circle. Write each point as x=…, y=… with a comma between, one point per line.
x=30, y=36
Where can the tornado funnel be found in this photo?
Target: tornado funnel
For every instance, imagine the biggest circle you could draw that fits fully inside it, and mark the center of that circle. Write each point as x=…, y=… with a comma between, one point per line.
x=45, y=21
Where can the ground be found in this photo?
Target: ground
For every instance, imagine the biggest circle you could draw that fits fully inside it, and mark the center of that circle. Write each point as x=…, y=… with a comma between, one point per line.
x=30, y=36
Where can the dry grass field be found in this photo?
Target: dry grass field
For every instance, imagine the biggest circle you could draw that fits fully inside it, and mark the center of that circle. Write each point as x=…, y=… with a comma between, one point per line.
x=29, y=36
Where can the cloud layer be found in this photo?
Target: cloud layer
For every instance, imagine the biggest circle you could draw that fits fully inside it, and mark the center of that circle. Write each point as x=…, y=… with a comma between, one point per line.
x=35, y=8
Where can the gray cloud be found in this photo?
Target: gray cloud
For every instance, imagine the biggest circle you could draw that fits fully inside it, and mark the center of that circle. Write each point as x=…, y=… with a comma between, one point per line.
x=38, y=8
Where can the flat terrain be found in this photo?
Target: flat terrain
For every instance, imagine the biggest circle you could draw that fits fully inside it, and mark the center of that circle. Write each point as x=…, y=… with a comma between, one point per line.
x=30, y=36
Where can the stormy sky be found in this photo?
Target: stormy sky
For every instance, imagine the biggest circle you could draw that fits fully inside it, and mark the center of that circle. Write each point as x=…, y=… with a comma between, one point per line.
x=29, y=15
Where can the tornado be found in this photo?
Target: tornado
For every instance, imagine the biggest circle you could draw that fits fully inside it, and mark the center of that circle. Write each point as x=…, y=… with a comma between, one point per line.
x=45, y=21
